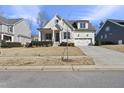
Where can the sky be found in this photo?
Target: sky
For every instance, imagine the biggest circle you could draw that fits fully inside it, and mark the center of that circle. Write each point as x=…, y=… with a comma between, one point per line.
x=94, y=13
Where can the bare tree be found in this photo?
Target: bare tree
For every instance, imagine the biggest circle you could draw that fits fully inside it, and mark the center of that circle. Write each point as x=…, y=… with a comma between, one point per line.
x=42, y=18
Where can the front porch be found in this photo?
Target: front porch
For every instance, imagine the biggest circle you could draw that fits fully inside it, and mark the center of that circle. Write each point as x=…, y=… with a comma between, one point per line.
x=50, y=35
x=6, y=38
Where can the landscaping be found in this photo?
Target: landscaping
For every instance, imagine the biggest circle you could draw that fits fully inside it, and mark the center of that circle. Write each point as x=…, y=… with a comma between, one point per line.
x=119, y=48
x=4, y=44
x=43, y=56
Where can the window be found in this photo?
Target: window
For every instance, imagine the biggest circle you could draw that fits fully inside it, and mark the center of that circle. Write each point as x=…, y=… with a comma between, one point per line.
x=101, y=36
x=105, y=36
x=56, y=21
x=48, y=36
x=120, y=42
x=82, y=25
x=87, y=35
x=107, y=28
x=10, y=28
x=66, y=35
x=110, y=33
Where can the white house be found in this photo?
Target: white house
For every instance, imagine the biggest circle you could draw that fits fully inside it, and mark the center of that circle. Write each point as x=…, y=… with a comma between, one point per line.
x=14, y=30
x=80, y=32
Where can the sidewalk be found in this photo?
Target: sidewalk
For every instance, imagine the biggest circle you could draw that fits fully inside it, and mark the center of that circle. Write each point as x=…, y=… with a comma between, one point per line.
x=62, y=68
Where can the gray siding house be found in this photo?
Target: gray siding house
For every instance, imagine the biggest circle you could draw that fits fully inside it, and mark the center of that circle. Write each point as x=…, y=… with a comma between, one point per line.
x=14, y=30
x=112, y=31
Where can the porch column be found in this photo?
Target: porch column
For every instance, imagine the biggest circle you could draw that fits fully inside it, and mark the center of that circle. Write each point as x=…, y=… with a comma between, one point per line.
x=53, y=37
x=2, y=37
x=39, y=38
x=60, y=37
x=12, y=38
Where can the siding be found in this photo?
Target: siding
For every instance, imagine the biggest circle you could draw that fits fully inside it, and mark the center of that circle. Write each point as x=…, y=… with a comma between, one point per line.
x=5, y=28
x=51, y=24
x=22, y=29
x=114, y=34
x=0, y=28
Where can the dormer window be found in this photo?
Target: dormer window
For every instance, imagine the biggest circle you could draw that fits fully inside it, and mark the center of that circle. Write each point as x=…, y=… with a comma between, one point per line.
x=82, y=25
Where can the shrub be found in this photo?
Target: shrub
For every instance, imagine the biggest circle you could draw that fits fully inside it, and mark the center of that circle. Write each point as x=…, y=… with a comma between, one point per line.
x=10, y=44
x=40, y=43
x=107, y=43
x=65, y=44
x=99, y=42
x=27, y=44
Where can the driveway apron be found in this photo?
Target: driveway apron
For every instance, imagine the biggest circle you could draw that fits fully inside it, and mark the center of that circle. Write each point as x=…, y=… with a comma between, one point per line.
x=103, y=56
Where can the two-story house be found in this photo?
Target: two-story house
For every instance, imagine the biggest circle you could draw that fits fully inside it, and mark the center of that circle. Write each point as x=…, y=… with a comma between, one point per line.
x=80, y=32
x=112, y=30
x=14, y=30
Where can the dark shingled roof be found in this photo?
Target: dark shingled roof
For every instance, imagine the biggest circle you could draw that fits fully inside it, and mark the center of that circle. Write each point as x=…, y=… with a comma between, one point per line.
x=70, y=24
x=121, y=22
x=4, y=20
x=90, y=27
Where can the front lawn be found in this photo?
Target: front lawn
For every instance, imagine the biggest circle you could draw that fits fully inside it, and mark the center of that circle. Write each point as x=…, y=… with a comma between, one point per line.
x=43, y=56
x=41, y=51
x=119, y=48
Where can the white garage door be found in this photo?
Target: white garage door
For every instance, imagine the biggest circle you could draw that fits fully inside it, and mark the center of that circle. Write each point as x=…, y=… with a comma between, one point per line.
x=82, y=42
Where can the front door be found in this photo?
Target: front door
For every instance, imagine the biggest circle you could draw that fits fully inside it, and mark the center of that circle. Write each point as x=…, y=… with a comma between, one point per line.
x=57, y=37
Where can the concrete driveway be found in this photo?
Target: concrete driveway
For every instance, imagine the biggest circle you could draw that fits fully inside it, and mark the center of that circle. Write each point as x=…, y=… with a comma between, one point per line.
x=103, y=56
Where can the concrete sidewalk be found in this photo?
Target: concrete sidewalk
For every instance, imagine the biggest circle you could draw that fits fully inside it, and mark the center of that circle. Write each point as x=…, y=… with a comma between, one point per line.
x=62, y=68
x=103, y=56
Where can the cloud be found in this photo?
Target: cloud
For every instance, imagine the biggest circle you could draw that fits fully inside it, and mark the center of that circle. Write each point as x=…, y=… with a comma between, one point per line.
x=99, y=12
x=27, y=12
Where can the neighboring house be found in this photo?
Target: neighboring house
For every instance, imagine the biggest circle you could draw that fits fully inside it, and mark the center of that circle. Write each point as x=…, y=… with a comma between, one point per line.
x=34, y=37
x=80, y=32
x=14, y=30
x=111, y=31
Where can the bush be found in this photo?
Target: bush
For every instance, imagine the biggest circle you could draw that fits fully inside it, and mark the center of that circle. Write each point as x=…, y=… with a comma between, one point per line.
x=40, y=43
x=10, y=44
x=99, y=42
x=107, y=43
x=27, y=44
x=65, y=44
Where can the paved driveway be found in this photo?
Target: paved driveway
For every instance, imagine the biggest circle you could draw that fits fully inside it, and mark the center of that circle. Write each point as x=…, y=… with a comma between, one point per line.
x=103, y=56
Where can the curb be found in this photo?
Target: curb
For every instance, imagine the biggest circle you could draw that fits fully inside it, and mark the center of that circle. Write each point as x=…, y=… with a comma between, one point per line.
x=62, y=68
x=98, y=67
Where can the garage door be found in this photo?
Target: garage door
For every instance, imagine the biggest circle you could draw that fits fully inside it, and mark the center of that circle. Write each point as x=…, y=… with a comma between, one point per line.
x=82, y=42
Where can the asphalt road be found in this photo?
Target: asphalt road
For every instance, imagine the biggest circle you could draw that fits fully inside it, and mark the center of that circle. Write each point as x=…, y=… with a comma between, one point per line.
x=37, y=79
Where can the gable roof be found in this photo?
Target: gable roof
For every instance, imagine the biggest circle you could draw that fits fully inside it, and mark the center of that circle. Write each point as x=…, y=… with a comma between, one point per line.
x=115, y=21
x=69, y=23
x=66, y=22
x=6, y=21
x=90, y=26
x=118, y=22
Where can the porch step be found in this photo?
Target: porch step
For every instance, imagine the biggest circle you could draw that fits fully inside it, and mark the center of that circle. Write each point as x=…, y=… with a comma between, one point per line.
x=55, y=44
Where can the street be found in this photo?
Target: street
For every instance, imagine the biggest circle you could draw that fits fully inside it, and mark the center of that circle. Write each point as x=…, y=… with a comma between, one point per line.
x=39, y=79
